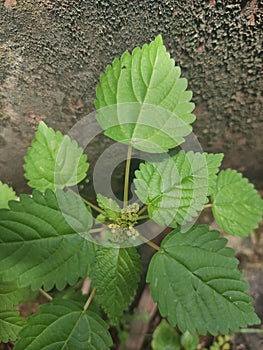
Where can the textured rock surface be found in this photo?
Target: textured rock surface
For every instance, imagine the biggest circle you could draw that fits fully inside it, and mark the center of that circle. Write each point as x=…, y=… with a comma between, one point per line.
x=52, y=52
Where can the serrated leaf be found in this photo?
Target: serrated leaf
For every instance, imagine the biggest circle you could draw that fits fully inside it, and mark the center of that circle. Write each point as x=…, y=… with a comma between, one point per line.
x=41, y=240
x=165, y=337
x=116, y=274
x=196, y=282
x=142, y=101
x=175, y=188
x=63, y=325
x=11, y=294
x=54, y=160
x=6, y=194
x=10, y=325
x=213, y=164
x=110, y=207
x=237, y=206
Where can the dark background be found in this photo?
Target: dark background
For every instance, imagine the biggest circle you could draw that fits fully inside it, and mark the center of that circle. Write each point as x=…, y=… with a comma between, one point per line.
x=52, y=53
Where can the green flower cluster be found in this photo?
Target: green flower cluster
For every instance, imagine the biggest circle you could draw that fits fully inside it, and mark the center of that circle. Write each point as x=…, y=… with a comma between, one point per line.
x=124, y=229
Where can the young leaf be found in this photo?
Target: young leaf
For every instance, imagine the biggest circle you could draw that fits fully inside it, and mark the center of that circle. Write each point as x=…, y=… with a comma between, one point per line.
x=6, y=194
x=189, y=341
x=142, y=101
x=54, y=160
x=116, y=274
x=110, y=207
x=237, y=206
x=175, y=188
x=41, y=241
x=10, y=325
x=196, y=282
x=165, y=337
x=62, y=324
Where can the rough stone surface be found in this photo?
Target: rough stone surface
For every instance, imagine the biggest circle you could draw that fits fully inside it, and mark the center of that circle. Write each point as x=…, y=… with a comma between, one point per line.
x=52, y=53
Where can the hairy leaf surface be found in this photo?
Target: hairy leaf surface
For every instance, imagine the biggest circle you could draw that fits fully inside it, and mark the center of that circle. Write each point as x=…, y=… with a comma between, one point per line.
x=142, y=101
x=237, y=206
x=54, y=160
x=41, y=241
x=10, y=325
x=175, y=188
x=6, y=194
x=63, y=325
x=110, y=207
x=116, y=274
x=197, y=284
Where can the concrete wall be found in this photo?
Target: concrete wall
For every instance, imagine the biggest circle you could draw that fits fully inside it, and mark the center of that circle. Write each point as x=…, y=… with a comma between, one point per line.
x=52, y=52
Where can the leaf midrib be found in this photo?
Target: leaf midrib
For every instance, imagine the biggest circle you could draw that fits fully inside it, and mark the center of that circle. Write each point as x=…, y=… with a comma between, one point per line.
x=147, y=89
x=198, y=277
x=59, y=318
x=73, y=329
x=45, y=238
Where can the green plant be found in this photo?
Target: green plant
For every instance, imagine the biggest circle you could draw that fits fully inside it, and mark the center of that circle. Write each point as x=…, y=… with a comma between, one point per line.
x=47, y=241
x=221, y=343
x=165, y=337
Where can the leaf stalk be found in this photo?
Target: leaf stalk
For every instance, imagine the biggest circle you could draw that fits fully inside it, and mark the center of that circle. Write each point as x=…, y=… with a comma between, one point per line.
x=142, y=217
x=208, y=205
x=127, y=177
x=89, y=300
x=93, y=206
x=45, y=294
x=142, y=210
x=150, y=243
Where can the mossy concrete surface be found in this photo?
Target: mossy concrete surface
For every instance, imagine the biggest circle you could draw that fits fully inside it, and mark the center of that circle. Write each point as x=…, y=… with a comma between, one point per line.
x=52, y=53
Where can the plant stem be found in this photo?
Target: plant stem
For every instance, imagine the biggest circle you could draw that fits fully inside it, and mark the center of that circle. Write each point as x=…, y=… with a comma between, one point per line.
x=46, y=295
x=250, y=330
x=95, y=230
x=150, y=243
x=142, y=217
x=93, y=206
x=127, y=177
x=142, y=210
x=89, y=300
x=208, y=205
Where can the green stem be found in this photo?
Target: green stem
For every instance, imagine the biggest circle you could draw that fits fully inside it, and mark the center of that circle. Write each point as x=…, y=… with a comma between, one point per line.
x=142, y=210
x=96, y=230
x=93, y=206
x=142, y=217
x=46, y=295
x=250, y=330
x=127, y=177
x=208, y=205
x=89, y=300
x=150, y=243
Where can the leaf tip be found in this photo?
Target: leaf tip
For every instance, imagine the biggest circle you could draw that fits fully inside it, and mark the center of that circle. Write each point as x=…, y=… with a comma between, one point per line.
x=42, y=125
x=159, y=39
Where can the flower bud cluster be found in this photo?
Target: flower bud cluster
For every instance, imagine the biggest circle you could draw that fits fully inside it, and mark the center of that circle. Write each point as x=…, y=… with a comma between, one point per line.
x=124, y=229
x=129, y=215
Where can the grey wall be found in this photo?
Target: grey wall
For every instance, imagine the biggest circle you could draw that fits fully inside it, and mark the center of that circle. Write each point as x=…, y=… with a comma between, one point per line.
x=52, y=53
